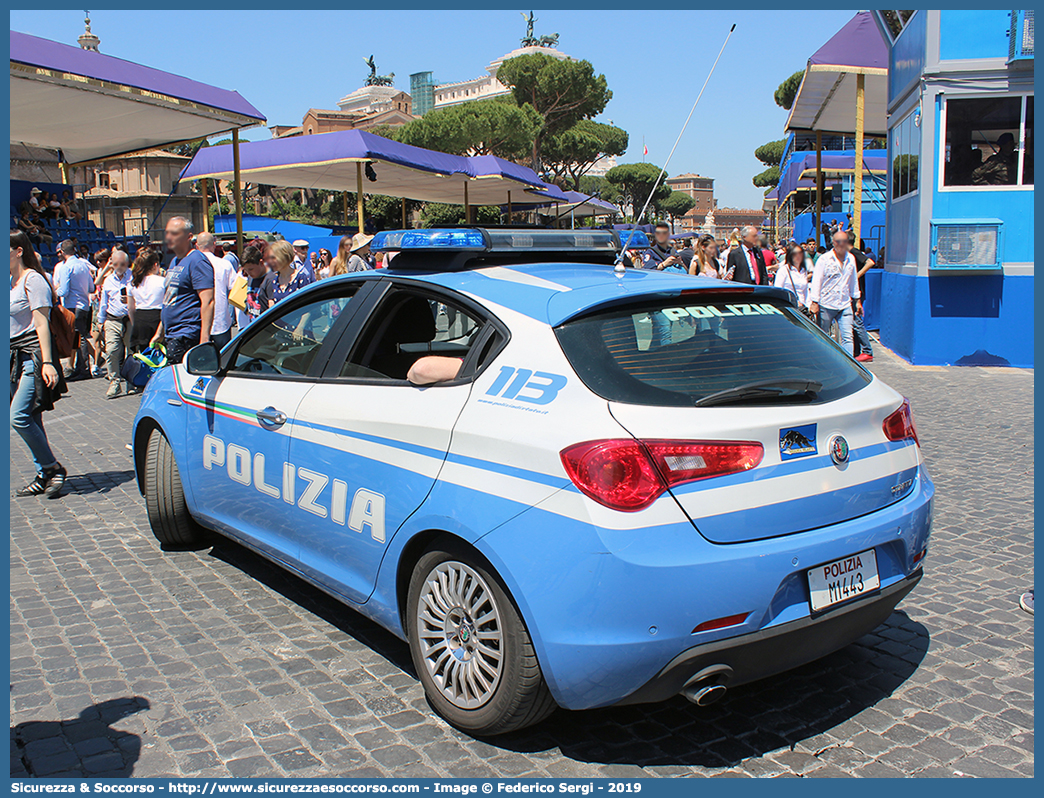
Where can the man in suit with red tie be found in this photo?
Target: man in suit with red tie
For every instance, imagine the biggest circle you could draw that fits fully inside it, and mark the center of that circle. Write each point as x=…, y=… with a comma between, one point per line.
x=746, y=262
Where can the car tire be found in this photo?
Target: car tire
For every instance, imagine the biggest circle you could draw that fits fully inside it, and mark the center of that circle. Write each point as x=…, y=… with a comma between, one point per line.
x=468, y=621
x=165, y=498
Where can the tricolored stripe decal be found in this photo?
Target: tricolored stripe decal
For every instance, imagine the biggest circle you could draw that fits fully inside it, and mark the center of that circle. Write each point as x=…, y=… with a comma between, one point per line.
x=218, y=408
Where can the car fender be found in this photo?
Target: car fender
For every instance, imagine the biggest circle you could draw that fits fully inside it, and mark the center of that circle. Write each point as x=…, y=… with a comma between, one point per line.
x=162, y=407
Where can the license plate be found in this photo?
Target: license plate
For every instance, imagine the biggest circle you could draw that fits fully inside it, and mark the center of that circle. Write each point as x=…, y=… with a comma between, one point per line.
x=842, y=580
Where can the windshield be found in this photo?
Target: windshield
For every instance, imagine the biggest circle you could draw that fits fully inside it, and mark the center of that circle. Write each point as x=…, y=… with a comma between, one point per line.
x=721, y=351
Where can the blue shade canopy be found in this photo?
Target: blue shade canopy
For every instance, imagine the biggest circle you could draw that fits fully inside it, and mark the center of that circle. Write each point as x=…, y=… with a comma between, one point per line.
x=92, y=106
x=328, y=161
x=566, y=202
x=802, y=172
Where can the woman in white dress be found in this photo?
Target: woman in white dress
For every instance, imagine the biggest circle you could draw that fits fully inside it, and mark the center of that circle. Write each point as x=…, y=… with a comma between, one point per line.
x=793, y=275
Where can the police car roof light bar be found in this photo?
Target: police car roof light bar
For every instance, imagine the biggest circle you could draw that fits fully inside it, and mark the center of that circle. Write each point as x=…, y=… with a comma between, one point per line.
x=663, y=170
x=502, y=241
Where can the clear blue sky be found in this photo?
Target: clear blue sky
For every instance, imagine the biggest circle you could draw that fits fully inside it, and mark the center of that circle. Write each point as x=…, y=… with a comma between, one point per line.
x=655, y=62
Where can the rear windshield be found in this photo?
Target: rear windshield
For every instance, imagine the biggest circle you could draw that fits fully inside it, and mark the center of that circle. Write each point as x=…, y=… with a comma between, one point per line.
x=679, y=354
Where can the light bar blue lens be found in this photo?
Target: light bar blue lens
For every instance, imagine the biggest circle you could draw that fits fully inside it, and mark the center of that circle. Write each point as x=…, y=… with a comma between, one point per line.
x=428, y=239
x=634, y=239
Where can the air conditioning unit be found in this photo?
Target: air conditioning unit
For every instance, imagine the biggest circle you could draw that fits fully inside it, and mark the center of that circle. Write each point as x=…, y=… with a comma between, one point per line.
x=965, y=244
x=1020, y=38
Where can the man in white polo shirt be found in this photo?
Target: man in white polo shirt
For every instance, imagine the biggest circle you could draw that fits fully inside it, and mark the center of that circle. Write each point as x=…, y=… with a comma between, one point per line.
x=834, y=287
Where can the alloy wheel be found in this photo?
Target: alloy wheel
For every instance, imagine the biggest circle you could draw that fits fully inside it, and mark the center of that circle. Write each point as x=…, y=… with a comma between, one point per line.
x=460, y=634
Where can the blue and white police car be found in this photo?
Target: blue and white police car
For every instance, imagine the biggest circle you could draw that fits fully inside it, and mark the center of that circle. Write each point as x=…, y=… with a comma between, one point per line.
x=637, y=485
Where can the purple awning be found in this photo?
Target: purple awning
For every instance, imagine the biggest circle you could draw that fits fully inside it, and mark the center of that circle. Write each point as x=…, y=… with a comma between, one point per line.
x=857, y=46
x=92, y=106
x=328, y=161
x=826, y=100
x=576, y=202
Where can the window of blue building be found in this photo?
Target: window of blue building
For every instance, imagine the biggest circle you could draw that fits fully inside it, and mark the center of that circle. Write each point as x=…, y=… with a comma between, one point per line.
x=906, y=145
x=988, y=141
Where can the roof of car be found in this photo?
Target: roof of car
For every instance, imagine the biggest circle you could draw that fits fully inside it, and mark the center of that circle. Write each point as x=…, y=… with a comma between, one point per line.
x=555, y=292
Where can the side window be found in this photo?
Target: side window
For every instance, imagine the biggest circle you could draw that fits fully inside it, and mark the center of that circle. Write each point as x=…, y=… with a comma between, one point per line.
x=407, y=326
x=289, y=343
x=984, y=138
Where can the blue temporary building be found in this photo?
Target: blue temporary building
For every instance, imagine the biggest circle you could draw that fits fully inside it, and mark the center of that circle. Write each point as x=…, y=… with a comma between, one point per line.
x=958, y=282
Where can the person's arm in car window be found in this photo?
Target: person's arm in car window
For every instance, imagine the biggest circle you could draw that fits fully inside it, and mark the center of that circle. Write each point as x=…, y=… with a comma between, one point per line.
x=299, y=330
x=432, y=369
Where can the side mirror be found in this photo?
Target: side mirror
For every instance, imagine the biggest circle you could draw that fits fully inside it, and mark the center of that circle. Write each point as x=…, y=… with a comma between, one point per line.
x=203, y=360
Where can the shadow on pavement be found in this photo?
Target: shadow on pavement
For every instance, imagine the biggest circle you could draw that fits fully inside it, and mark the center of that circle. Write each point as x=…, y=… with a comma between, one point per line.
x=315, y=601
x=97, y=481
x=749, y=721
x=84, y=746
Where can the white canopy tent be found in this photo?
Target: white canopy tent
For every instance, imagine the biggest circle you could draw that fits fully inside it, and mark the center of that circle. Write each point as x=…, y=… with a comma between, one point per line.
x=92, y=106
x=845, y=91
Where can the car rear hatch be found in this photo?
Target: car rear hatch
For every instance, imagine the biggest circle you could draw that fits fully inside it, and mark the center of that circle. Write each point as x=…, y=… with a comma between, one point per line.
x=716, y=379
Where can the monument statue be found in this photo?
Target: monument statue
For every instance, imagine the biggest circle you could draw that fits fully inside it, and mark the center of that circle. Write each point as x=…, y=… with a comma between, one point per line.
x=377, y=80
x=531, y=40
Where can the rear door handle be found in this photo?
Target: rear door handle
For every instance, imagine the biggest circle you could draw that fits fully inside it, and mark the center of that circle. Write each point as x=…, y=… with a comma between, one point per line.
x=270, y=418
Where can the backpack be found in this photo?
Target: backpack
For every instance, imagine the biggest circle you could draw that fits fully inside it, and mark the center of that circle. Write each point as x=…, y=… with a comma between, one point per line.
x=138, y=369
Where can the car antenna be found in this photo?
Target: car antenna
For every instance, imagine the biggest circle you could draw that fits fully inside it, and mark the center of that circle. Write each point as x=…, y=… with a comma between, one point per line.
x=663, y=169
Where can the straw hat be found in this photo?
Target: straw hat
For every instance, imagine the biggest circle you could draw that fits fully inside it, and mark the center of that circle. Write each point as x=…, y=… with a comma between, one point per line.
x=360, y=240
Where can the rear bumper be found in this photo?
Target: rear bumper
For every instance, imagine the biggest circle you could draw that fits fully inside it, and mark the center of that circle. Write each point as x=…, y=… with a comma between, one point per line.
x=764, y=653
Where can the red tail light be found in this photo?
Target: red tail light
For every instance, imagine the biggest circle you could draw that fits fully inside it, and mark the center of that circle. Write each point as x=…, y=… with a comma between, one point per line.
x=629, y=475
x=900, y=425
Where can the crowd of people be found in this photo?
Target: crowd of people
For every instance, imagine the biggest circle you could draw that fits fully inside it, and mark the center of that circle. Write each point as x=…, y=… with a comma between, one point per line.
x=121, y=306
x=40, y=206
x=829, y=283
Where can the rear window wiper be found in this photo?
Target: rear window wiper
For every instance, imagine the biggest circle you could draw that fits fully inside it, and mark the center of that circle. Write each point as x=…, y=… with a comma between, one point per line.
x=753, y=390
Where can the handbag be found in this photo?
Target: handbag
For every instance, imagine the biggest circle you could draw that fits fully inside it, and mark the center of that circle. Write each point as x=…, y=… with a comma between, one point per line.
x=64, y=338
x=237, y=294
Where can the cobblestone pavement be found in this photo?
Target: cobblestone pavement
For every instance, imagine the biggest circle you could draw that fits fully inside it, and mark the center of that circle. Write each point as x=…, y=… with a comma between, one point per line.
x=127, y=660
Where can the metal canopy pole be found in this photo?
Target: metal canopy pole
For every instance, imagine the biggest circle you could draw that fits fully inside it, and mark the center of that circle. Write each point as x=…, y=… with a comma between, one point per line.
x=358, y=193
x=857, y=210
x=819, y=184
x=509, y=208
x=467, y=206
x=344, y=203
x=206, y=205
x=239, y=199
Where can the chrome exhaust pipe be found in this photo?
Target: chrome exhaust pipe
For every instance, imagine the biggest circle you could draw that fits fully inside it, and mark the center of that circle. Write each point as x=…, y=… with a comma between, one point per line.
x=704, y=695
